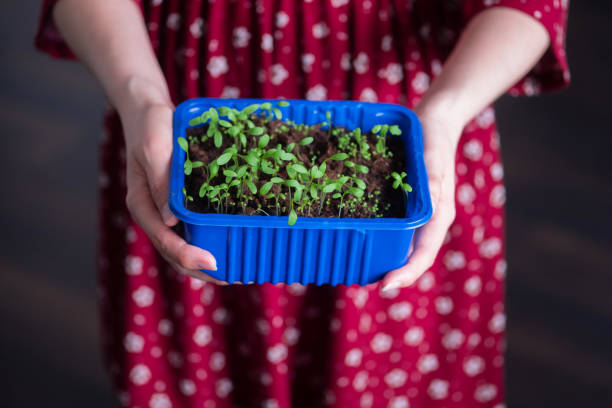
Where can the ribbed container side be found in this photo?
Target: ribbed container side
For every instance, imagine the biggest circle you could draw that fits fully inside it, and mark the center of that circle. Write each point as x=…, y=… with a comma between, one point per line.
x=304, y=256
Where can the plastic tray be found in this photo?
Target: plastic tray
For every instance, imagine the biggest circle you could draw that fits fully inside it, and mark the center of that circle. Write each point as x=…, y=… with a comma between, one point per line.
x=259, y=248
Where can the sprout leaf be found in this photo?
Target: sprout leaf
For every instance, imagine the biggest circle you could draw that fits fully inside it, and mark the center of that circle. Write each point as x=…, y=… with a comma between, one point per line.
x=183, y=143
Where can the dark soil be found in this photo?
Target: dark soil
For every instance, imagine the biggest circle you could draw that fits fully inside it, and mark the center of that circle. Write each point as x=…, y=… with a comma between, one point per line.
x=379, y=195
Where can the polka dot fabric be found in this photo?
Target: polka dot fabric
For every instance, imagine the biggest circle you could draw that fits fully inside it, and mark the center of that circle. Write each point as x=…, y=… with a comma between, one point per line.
x=172, y=341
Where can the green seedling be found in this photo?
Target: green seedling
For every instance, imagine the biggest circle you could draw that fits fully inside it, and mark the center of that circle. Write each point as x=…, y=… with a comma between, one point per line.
x=189, y=165
x=381, y=132
x=252, y=166
x=328, y=123
x=398, y=180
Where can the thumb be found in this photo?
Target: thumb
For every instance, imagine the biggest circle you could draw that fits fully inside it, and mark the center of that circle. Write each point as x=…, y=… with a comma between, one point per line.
x=158, y=153
x=157, y=178
x=435, y=177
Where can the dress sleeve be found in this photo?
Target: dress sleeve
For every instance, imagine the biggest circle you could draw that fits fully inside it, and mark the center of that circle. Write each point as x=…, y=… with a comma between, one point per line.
x=48, y=39
x=551, y=72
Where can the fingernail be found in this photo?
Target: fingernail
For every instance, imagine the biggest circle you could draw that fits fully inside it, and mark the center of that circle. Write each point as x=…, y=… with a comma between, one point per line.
x=391, y=285
x=208, y=266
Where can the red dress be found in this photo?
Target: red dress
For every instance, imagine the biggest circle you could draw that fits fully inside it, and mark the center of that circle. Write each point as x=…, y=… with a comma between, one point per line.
x=172, y=341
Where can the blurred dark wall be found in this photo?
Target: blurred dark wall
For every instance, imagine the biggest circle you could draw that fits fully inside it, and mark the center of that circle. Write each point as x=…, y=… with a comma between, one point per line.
x=559, y=182
x=50, y=116
x=557, y=150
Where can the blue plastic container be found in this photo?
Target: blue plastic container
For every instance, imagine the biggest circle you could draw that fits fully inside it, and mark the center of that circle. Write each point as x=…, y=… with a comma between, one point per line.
x=259, y=248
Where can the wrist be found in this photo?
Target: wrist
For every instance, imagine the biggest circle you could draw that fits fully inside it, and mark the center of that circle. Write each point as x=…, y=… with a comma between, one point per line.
x=441, y=112
x=137, y=93
x=442, y=107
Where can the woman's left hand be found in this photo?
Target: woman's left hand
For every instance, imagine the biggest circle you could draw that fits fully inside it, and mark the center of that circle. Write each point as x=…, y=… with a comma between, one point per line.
x=440, y=136
x=496, y=49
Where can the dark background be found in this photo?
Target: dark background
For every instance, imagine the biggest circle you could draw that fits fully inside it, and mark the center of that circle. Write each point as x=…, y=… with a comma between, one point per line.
x=559, y=180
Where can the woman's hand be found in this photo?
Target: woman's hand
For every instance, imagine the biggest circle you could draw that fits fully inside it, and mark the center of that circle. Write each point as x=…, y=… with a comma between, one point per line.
x=111, y=38
x=496, y=49
x=440, y=136
x=147, y=125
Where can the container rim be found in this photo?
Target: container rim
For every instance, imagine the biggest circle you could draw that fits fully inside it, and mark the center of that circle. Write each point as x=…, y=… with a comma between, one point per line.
x=176, y=204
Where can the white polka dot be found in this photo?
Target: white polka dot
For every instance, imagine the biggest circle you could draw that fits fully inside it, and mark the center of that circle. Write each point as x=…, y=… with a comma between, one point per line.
x=485, y=392
x=420, y=83
x=174, y=21
x=342, y=382
x=165, y=327
x=223, y=387
x=473, y=286
x=241, y=37
x=485, y=118
x=217, y=361
x=366, y=400
x=368, y=95
x=414, y=336
x=133, y=265
x=133, y=343
x=399, y=402
x=187, y=387
x=454, y=260
x=353, y=357
x=497, y=171
x=386, y=43
x=444, y=305
x=453, y=339
x=160, y=400
x=307, y=61
x=438, y=389
x=282, y=19
x=267, y=42
x=361, y=63
x=277, y=353
x=473, y=365
x=396, y=378
x=230, y=92
x=278, y=74
x=473, y=150
x=490, y=247
x=317, y=93
x=320, y=30
x=426, y=282
x=202, y=335
x=140, y=374
x=498, y=196
x=381, y=343
x=217, y=66
x=291, y=335
x=270, y=403
x=497, y=324
x=427, y=363
x=196, y=27
x=365, y=323
x=400, y=311
x=393, y=73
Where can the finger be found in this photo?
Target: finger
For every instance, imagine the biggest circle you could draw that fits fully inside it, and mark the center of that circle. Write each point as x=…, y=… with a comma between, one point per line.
x=197, y=274
x=170, y=245
x=157, y=150
x=428, y=241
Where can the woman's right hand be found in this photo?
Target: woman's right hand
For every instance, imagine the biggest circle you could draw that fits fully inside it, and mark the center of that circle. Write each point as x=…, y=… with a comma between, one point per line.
x=147, y=125
x=440, y=137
